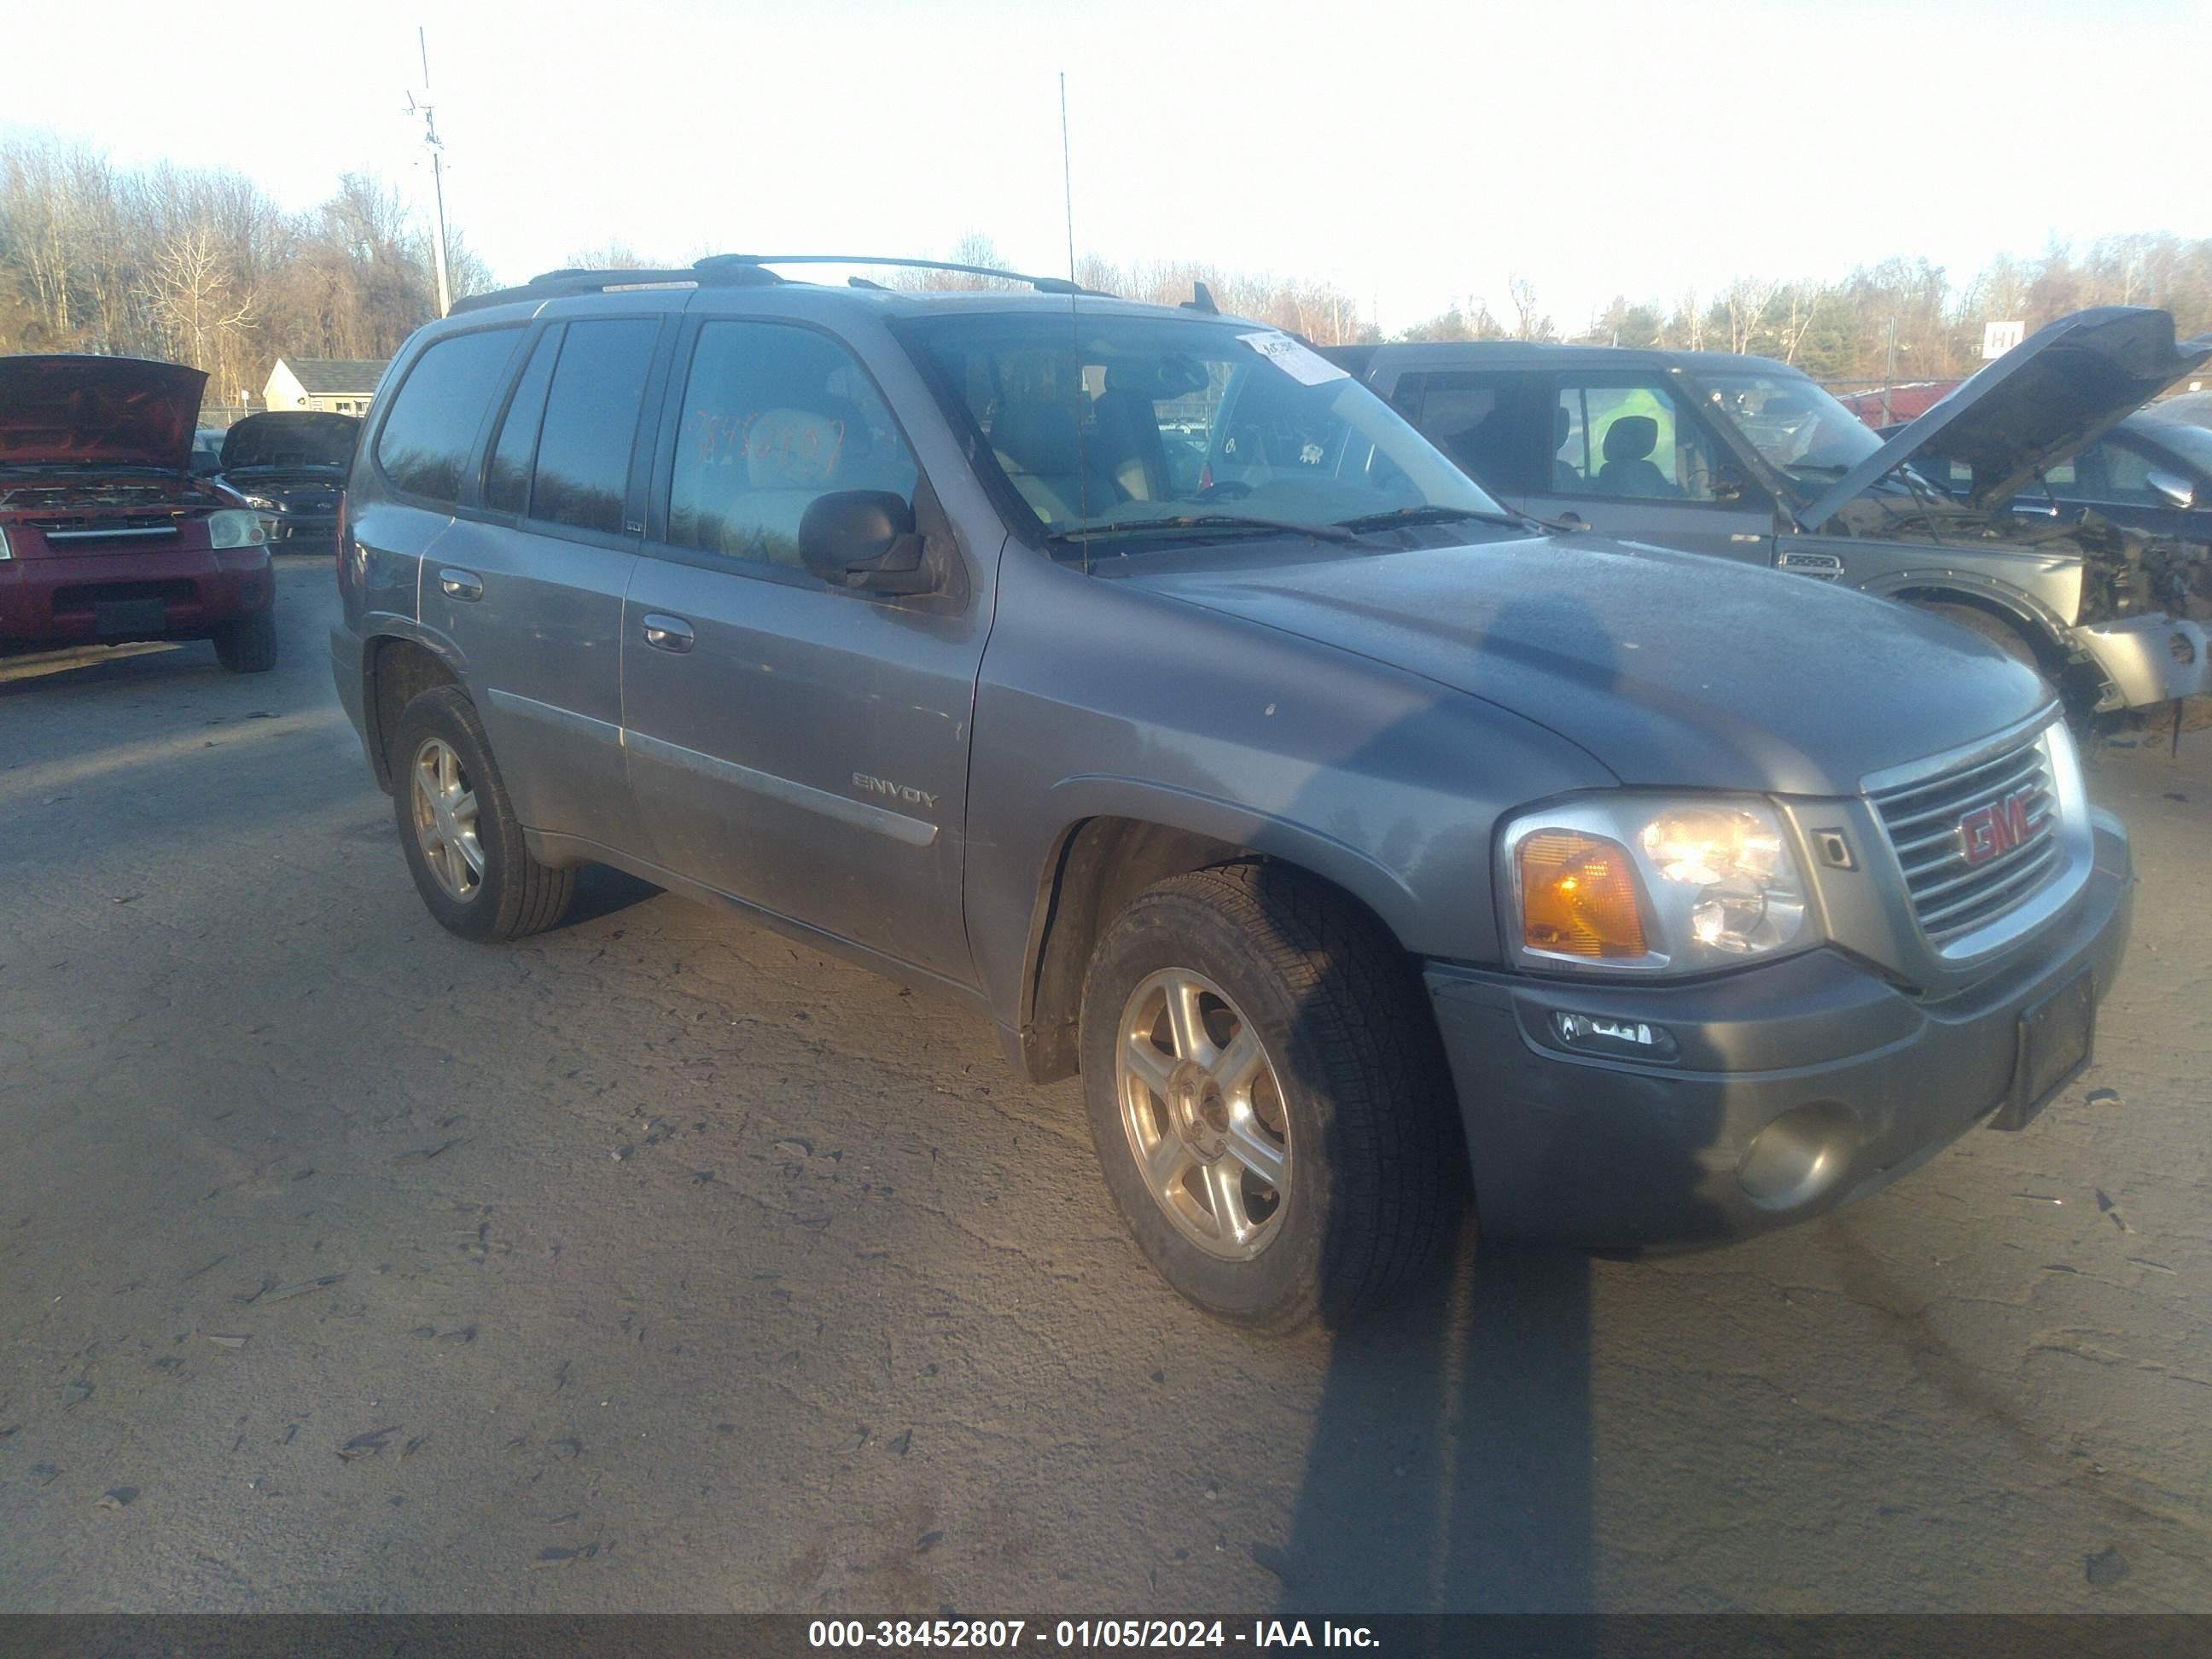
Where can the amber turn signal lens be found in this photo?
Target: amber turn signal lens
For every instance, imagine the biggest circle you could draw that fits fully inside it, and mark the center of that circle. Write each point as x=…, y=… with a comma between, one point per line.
x=1578, y=896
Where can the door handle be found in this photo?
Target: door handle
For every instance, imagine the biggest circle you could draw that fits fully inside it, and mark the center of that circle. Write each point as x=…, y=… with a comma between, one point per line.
x=460, y=584
x=667, y=633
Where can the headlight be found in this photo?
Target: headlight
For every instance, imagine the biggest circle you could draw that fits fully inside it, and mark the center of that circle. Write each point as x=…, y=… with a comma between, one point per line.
x=233, y=528
x=262, y=502
x=1643, y=883
x=6, y=552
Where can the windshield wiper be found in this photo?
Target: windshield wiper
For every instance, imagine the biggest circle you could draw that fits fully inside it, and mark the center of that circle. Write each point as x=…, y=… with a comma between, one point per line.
x=1326, y=532
x=1433, y=515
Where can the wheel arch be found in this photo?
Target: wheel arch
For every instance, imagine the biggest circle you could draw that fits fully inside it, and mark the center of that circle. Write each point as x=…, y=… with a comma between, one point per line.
x=395, y=669
x=2035, y=626
x=1099, y=861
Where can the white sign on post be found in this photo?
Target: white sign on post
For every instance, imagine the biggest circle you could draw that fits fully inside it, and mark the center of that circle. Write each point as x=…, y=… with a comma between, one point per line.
x=1997, y=338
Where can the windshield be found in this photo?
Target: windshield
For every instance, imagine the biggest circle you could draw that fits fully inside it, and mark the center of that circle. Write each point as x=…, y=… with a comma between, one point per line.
x=1121, y=423
x=1795, y=425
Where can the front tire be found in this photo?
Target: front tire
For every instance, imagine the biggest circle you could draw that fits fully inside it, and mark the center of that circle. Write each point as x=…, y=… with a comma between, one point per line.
x=463, y=840
x=249, y=645
x=1268, y=1097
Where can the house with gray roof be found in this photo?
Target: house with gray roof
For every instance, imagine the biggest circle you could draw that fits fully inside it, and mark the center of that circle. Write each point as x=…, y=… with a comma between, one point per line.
x=341, y=385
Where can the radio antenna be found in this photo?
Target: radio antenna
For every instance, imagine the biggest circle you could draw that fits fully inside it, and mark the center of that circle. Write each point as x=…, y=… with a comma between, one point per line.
x=1074, y=331
x=1067, y=176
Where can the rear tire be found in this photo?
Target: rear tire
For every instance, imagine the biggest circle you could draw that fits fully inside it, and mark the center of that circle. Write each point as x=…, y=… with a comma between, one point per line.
x=457, y=825
x=249, y=645
x=1349, y=1105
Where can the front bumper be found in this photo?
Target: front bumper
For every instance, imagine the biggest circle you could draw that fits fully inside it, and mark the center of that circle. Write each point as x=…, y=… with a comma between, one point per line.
x=301, y=533
x=1569, y=1148
x=2149, y=660
x=56, y=600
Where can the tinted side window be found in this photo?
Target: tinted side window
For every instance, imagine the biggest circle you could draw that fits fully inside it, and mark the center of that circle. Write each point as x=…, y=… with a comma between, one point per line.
x=774, y=417
x=1490, y=424
x=2109, y=472
x=506, y=480
x=582, y=475
x=424, y=445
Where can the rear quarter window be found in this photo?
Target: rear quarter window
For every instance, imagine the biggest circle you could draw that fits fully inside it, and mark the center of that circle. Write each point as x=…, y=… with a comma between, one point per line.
x=425, y=440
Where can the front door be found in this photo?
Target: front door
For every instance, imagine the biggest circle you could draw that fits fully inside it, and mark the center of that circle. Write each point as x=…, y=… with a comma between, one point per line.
x=800, y=747
x=1630, y=458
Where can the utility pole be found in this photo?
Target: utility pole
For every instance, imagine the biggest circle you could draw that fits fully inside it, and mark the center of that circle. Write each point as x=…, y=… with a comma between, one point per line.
x=1888, y=371
x=437, y=174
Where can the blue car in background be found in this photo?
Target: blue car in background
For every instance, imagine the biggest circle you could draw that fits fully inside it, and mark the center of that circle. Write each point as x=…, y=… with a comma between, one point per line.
x=2152, y=472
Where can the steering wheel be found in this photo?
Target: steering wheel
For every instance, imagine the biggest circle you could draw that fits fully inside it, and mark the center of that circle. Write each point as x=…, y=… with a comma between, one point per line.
x=1223, y=489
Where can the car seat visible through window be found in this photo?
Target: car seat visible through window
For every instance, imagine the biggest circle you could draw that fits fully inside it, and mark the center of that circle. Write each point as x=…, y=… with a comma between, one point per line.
x=1628, y=469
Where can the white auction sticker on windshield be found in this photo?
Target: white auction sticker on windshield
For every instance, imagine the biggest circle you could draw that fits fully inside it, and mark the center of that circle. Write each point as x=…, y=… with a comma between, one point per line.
x=1301, y=362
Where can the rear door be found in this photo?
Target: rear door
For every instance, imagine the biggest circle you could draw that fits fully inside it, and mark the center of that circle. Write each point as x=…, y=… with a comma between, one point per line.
x=1629, y=456
x=800, y=747
x=529, y=583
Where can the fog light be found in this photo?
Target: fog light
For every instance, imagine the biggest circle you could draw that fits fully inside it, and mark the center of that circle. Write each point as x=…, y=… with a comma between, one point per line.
x=1602, y=1033
x=1799, y=1156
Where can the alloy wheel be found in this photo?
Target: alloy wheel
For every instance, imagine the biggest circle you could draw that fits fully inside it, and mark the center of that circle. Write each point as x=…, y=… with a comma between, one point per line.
x=1203, y=1111
x=446, y=819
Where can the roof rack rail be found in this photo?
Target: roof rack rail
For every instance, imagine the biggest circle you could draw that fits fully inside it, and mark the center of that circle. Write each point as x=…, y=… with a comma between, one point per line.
x=751, y=261
x=555, y=285
x=739, y=270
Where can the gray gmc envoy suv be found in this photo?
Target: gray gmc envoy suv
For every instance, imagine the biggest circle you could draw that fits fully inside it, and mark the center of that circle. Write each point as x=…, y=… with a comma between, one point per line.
x=1141, y=677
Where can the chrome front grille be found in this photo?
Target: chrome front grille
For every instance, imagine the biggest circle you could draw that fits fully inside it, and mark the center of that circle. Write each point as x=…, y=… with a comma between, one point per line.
x=88, y=527
x=2003, y=808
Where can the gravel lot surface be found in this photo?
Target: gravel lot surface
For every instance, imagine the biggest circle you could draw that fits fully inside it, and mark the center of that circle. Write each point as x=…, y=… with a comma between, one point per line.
x=657, y=1263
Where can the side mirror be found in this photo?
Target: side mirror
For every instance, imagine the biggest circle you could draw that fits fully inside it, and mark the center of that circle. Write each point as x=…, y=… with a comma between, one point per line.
x=864, y=538
x=2177, y=489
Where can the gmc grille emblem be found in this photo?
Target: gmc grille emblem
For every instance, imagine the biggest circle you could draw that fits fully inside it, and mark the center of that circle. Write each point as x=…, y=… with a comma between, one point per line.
x=1997, y=828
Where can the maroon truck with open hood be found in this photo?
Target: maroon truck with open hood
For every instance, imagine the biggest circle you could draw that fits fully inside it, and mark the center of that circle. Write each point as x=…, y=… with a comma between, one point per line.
x=105, y=534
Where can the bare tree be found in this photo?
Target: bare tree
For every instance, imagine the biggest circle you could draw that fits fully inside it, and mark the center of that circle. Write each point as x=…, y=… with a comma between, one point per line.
x=40, y=227
x=204, y=320
x=1746, y=298
x=615, y=255
x=1529, y=322
x=1805, y=300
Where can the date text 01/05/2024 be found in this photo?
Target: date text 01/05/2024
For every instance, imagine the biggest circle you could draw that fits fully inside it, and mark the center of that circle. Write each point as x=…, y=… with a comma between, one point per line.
x=1082, y=1634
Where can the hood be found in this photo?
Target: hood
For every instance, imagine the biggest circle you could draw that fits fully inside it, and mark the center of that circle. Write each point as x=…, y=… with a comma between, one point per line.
x=291, y=438
x=1672, y=669
x=2056, y=391
x=126, y=411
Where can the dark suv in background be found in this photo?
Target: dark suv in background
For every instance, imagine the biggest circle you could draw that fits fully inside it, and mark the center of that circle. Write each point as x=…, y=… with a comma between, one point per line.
x=1746, y=459
x=1137, y=676
x=289, y=465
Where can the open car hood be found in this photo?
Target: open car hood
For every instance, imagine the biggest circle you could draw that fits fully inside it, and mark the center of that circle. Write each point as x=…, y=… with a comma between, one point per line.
x=2056, y=391
x=298, y=437
x=121, y=410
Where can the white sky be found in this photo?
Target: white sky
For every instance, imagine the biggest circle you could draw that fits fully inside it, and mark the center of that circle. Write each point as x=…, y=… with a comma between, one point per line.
x=1417, y=153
